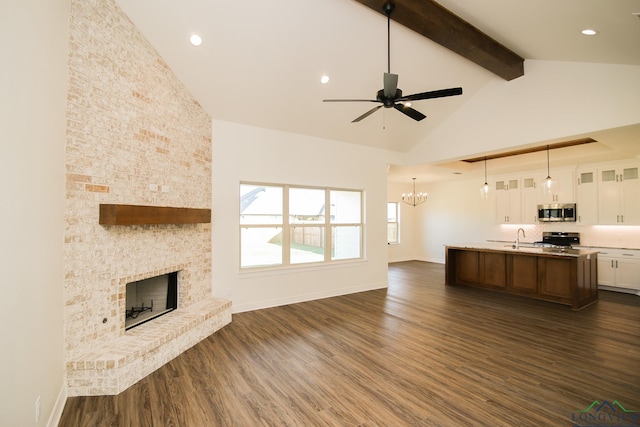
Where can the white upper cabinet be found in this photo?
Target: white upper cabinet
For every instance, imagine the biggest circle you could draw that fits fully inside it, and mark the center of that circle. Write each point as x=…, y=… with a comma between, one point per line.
x=529, y=197
x=508, y=203
x=587, y=196
x=516, y=199
x=619, y=195
x=604, y=193
x=561, y=190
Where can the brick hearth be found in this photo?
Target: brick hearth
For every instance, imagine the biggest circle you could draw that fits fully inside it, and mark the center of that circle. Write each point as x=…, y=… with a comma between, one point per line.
x=119, y=363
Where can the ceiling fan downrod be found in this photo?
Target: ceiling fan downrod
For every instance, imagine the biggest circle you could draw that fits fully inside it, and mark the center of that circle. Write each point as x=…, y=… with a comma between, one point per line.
x=388, y=8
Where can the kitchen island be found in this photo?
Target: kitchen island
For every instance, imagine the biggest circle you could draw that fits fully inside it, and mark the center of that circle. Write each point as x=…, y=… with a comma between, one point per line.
x=566, y=276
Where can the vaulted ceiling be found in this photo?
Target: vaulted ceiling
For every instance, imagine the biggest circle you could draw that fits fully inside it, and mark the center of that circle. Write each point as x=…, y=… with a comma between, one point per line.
x=260, y=62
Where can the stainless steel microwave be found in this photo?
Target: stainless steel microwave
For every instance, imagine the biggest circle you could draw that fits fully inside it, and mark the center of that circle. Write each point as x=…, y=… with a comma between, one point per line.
x=557, y=212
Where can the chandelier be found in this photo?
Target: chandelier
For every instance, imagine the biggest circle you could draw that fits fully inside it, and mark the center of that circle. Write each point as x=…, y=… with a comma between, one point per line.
x=414, y=199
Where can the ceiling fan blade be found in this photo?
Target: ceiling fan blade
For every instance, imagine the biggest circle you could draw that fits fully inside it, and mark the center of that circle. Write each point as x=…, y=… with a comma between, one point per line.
x=367, y=114
x=433, y=94
x=414, y=114
x=350, y=100
x=390, y=85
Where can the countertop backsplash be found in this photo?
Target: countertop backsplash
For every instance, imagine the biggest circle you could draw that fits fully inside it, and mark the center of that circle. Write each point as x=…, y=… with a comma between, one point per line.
x=608, y=236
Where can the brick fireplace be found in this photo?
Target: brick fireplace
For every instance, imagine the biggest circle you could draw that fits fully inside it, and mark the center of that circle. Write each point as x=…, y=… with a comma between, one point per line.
x=135, y=135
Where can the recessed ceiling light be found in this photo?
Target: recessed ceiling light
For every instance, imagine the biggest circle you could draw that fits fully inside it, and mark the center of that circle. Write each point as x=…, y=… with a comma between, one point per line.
x=589, y=32
x=324, y=79
x=195, y=40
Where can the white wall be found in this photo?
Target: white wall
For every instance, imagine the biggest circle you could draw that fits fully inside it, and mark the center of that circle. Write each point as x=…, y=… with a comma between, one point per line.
x=552, y=100
x=33, y=79
x=454, y=214
x=245, y=153
x=410, y=242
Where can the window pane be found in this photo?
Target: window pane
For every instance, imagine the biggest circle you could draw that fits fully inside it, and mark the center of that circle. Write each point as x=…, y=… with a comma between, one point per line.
x=307, y=244
x=346, y=207
x=392, y=232
x=260, y=204
x=392, y=212
x=261, y=246
x=346, y=242
x=306, y=205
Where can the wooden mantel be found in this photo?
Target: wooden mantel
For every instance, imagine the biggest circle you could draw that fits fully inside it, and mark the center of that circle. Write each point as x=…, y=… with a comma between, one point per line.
x=112, y=214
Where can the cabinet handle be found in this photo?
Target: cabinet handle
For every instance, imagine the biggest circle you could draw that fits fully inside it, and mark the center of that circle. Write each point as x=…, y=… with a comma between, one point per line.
x=621, y=218
x=616, y=263
x=612, y=264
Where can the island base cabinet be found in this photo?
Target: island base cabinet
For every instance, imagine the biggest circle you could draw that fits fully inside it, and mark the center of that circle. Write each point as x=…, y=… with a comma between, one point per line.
x=483, y=269
x=555, y=276
x=569, y=280
x=524, y=273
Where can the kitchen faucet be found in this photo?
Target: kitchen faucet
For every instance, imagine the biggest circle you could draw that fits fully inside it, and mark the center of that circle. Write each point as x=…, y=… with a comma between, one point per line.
x=517, y=245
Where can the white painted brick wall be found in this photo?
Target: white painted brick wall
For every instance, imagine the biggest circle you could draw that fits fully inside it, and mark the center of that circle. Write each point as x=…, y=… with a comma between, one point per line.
x=130, y=123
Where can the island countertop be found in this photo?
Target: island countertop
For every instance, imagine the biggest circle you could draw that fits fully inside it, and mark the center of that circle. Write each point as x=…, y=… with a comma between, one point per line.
x=525, y=248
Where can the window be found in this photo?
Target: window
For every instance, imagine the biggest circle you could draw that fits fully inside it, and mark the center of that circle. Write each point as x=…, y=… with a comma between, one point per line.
x=392, y=223
x=283, y=225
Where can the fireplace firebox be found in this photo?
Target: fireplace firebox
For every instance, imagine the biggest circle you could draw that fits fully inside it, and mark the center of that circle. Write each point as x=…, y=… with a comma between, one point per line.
x=150, y=298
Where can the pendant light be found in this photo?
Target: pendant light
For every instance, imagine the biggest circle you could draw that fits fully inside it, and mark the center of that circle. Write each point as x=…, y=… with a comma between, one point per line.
x=548, y=181
x=484, y=190
x=414, y=199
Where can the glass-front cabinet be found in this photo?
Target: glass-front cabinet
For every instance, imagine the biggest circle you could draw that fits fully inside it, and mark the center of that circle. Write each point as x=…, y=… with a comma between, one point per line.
x=587, y=196
x=619, y=195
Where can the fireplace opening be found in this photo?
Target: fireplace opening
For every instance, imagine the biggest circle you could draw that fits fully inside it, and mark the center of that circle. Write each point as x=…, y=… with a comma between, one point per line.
x=150, y=298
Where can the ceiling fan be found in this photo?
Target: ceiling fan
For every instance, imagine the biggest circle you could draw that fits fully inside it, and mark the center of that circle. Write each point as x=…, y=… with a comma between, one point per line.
x=390, y=95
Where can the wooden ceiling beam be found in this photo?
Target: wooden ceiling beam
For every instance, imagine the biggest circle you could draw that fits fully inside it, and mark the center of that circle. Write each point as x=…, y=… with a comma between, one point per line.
x=428, y=18
x=545, y=147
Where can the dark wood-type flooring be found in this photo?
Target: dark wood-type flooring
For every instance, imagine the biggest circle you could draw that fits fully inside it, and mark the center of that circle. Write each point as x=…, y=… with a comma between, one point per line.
x=417, y=353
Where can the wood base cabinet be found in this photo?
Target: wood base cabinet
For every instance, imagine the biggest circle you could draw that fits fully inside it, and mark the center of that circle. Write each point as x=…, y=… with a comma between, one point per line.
x=569, y=280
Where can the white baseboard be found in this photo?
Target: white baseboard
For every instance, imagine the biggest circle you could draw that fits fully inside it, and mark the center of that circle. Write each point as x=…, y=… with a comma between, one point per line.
x=58, y=407
x=433, y=260
x=391, y=261
x=618, y=289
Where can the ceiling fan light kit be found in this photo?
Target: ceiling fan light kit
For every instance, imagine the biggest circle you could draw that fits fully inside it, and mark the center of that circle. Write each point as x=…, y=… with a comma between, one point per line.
x=390, y=96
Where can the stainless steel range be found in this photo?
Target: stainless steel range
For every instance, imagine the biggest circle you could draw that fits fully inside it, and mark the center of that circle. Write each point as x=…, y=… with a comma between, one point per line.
x=558, y=239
